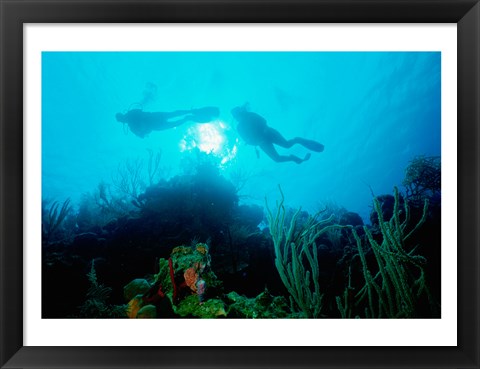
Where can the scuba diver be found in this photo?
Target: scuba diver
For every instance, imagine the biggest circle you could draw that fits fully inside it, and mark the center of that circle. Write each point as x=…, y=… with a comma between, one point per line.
x=254, y=130
x=141, y=123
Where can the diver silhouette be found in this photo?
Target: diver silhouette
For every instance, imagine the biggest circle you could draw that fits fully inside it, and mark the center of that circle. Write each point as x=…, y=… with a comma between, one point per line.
x=142, y=123
x=254, y=131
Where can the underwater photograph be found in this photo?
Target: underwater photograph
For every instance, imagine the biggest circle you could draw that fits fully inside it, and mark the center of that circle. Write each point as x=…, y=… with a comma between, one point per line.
x=241, y=185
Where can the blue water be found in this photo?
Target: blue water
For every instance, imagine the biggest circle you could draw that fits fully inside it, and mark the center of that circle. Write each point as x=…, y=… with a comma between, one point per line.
x=374, y=112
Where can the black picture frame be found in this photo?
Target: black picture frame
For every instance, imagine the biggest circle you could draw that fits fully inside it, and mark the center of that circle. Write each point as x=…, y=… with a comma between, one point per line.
x=15, y=13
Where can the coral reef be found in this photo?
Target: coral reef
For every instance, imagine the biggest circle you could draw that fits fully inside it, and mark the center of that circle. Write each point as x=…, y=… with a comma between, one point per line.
x=187, y=296
x=394, y=287
x=136, y=287
x=264, y=306
x=146, y=247
x=96, y=305
x=423, y=179
x=211, y=308
x=183, y=280
x=53, y=218
x=147, y=312
x=293, y=242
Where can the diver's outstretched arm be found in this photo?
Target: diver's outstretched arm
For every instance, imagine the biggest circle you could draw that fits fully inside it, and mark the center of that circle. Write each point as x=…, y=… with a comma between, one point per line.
x=269, y=149
x=176, y=113
x=201, y=115
x=167, y=124
x=168, y=120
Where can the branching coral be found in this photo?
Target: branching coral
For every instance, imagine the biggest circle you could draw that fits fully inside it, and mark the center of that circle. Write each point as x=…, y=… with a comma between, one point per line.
x=133, y=176
x=295, y=247
x=153, y=165
x=422, y=178
x=54, y=218
x=129, y=179
x=400, y=281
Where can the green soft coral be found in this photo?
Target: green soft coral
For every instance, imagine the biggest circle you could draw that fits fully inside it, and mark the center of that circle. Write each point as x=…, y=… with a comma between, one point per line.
x=395, y=289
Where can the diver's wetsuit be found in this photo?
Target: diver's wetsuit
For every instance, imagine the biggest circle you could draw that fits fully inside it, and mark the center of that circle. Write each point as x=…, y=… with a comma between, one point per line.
x=254, y=130
x=141, y=123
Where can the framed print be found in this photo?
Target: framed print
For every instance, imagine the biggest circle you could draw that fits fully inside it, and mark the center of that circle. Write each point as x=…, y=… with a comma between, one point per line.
x=224, y=184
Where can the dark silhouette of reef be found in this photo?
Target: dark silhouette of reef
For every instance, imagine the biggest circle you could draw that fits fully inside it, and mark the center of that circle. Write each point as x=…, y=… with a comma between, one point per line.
x=151, y=239
x=200, y=206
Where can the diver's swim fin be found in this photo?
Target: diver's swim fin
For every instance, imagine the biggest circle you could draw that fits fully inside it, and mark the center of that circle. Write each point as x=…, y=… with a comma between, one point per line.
x=310, y=144
x=205, y=115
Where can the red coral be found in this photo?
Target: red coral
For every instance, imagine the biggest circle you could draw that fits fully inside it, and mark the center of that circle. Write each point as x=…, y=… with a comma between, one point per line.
x=154, y=294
